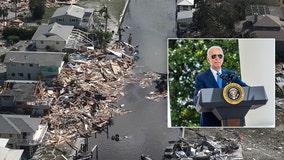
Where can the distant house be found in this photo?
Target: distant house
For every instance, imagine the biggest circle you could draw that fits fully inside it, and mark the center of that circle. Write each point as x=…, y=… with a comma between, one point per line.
x=23, y=65
x=74, y=15
x=22, y=131
x=264, y=26
x=185, y=11
x=7, y=153
x=52, y=37
x=184, y=15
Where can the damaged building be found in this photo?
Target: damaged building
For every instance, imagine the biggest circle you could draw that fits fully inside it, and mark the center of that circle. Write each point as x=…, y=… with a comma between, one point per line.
x=19, y=96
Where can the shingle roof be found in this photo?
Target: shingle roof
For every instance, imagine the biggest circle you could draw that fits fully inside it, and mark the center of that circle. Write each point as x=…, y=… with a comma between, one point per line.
x=269, y=21
x=7, y=127
x=16, y=124
x=41, y=58
x=21, y=124
x=266, y=21
x=71, y=10
x=52, y=32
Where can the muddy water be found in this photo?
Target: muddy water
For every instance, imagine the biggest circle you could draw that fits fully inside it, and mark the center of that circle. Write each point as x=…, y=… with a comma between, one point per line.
x=144, y=130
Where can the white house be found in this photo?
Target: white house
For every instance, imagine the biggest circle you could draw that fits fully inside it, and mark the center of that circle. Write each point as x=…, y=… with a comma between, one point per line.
x=22, y=65
x=74, y=15
x=52, y=37
x=22, y=131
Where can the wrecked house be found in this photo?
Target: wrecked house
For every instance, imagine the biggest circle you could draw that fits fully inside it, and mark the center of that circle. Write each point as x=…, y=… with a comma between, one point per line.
x=197, y=146
x=23, y=97
x=83, y=97
x=22, y=131
x=33, y=65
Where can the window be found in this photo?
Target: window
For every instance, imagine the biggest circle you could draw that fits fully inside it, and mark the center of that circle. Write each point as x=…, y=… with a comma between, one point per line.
x=57, y=42
x=60, y=20
x=13, y=74
x=41, y=42
x=21, y=74
x=73, y=20
x=31, y=65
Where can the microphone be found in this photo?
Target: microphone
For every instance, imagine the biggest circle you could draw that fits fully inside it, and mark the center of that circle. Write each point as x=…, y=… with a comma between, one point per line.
x=224, y=77
x=232, y=77
x=229, y=78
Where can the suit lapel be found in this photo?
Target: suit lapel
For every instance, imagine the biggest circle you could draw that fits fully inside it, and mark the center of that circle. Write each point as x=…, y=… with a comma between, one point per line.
x=211, y=79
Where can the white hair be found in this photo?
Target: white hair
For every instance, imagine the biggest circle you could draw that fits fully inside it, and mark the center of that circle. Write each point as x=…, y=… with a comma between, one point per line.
x=208, y=51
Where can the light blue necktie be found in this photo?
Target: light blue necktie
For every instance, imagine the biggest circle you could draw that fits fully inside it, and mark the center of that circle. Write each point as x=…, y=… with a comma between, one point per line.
x=219, y=80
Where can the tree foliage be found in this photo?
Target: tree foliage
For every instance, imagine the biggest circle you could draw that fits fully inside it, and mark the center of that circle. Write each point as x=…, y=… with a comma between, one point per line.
x=13, y=39
x=102, y=38
x=214, y=18
x=37, y=8
x=22, y=33
x=217, y=18
x=187, y=58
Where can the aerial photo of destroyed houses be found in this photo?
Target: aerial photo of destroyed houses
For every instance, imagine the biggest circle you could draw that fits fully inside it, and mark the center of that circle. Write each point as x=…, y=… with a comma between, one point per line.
x=87, y=79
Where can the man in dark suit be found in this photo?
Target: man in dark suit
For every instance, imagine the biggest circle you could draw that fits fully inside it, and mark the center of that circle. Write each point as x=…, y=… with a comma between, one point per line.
x=211, y=78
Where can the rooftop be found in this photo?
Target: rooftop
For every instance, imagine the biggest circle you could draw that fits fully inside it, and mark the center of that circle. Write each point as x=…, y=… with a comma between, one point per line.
x=41, y=58
x=16, y=124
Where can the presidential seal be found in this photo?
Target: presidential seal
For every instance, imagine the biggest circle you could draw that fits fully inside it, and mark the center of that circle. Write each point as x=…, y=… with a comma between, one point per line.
x=233, y=93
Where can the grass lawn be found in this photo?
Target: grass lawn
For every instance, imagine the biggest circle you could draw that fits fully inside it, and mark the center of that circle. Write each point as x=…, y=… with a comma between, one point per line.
x=48, y=13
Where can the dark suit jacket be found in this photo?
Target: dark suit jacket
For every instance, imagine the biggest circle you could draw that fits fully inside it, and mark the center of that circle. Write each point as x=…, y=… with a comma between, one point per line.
x=207, y=80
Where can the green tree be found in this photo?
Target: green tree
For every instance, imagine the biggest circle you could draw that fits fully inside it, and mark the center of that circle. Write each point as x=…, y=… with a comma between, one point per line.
x=37, y=8
x=13, y=39
x=22, y=33
x=186, y=59
x=102, y=38
x=214, y=18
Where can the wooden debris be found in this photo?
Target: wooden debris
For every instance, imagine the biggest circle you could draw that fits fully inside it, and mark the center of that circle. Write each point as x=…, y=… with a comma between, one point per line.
x=81, y=95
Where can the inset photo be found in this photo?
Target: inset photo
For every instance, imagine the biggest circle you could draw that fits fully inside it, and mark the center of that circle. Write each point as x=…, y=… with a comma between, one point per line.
x=221, y=83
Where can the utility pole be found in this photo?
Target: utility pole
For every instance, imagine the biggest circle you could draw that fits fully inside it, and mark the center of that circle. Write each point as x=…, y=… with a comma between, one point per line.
x=106, y=17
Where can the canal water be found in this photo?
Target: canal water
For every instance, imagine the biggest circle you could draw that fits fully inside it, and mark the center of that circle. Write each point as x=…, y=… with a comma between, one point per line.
x=144, y=130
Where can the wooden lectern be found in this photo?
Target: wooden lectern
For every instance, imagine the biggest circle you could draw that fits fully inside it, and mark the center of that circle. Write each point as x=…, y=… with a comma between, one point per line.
x=231, y=115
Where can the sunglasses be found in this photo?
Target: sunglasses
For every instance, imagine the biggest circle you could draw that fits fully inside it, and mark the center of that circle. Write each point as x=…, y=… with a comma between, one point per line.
x=215, y=55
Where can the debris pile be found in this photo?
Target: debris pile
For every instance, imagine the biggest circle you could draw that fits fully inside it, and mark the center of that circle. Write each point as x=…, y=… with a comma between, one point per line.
x=83, y=97
x=161, y=85
x=198, y=146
